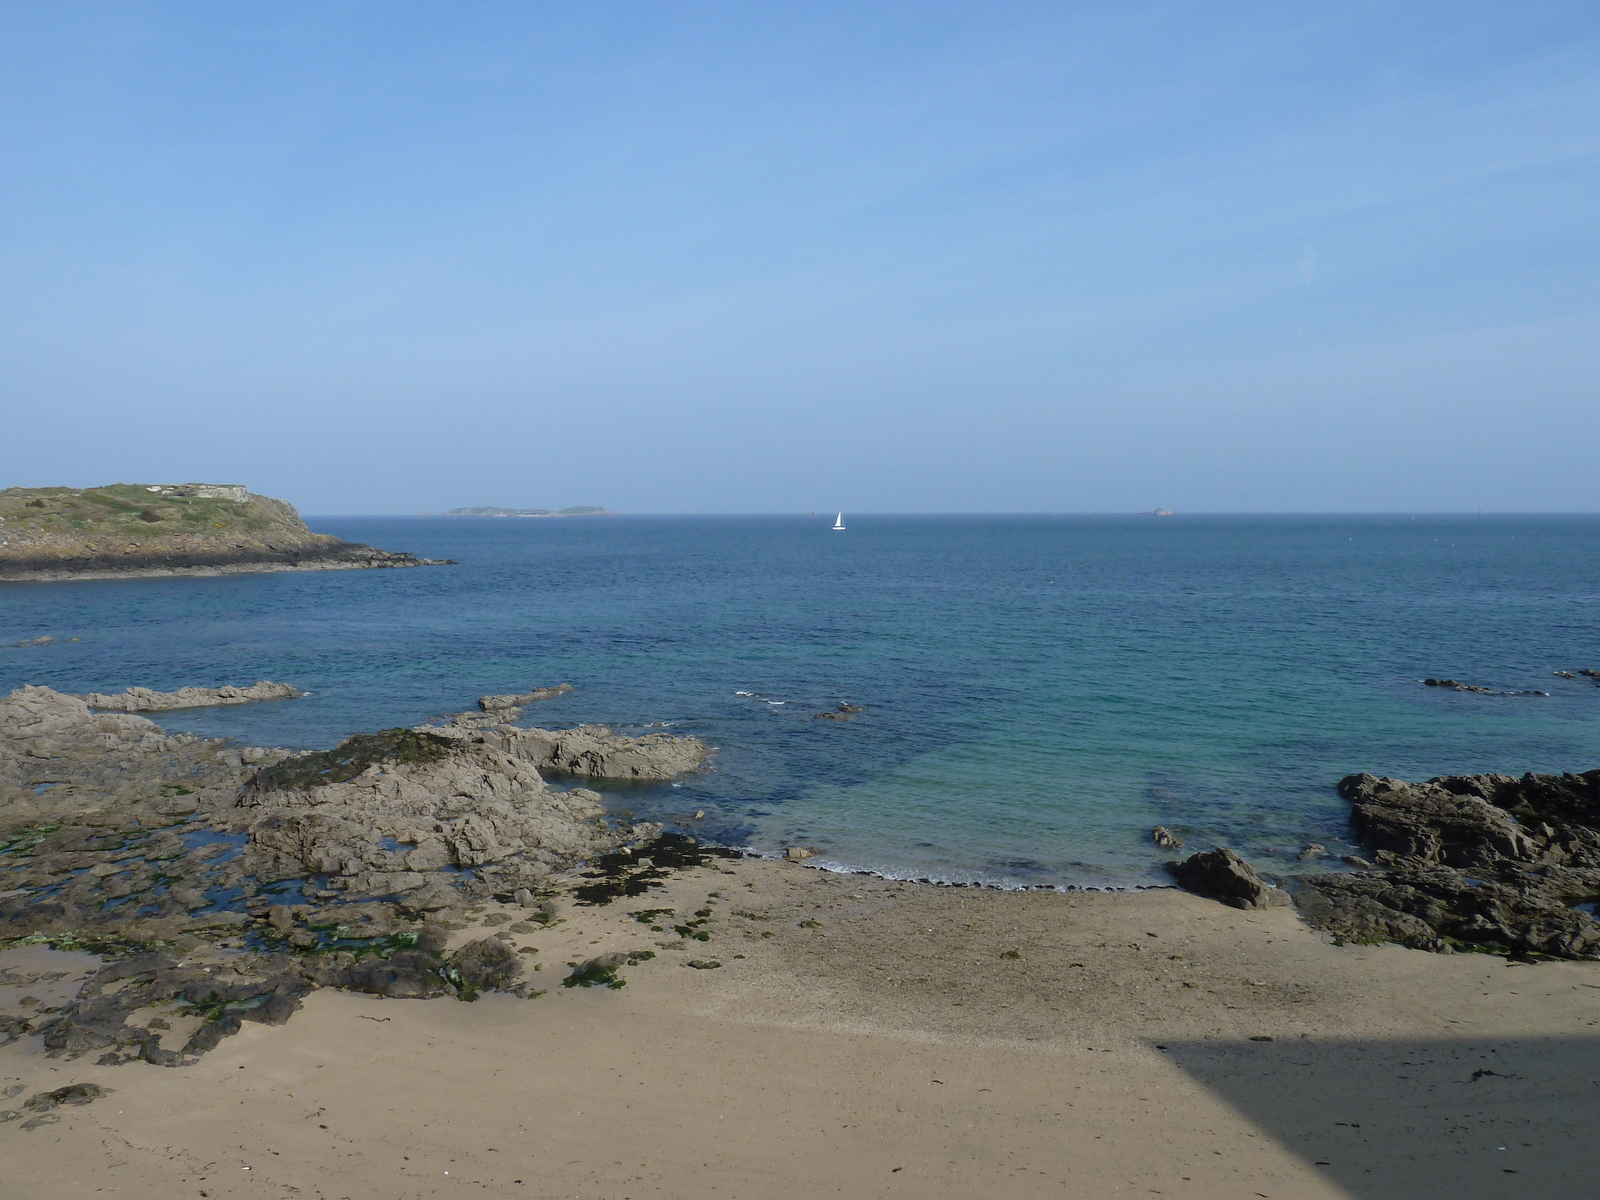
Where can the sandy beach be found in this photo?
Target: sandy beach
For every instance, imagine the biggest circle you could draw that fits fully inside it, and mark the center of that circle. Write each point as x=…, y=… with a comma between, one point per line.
x=863, y=1037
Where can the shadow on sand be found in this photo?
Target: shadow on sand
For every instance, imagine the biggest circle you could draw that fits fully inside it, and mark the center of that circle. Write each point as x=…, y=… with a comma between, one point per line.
x=1475, y=1117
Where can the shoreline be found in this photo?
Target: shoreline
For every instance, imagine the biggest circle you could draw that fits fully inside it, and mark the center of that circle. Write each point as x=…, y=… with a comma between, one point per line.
x=869, y=1038
x=653, y=1016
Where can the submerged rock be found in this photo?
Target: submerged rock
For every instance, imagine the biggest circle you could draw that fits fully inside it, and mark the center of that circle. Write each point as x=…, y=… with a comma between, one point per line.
x=1165, y=838
x=1222, y=875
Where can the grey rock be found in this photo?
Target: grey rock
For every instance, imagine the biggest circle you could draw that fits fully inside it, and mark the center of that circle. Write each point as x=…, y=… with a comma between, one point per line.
x=1488, y=862
x=482, y=966
x=1222, y=875
x=1312, y=850
x=464, y=801
x=141, y=699
x=596, y=751
x=522, y=699
x=1165, y=838
x=704, y=964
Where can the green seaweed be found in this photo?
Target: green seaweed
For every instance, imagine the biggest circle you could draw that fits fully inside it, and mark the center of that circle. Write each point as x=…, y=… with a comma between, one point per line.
x=592, y=975
x=105, y=945
x=28, y=839
x=647, y=916
x=353, y=756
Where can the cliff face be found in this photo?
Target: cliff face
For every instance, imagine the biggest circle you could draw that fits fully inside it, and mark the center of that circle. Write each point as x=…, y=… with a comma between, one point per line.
x=164, y=529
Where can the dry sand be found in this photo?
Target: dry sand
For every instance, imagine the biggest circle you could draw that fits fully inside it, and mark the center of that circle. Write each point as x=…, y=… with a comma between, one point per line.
x=904, y=1041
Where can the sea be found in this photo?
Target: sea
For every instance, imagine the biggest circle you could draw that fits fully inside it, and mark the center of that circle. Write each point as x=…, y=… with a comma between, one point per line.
x=1035, y=692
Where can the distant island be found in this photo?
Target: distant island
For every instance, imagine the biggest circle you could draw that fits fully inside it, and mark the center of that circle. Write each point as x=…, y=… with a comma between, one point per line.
x=129, y=529
x=490, y=511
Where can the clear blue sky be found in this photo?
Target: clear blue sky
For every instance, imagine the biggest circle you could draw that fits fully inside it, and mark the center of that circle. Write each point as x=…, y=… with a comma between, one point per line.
x=761, y=257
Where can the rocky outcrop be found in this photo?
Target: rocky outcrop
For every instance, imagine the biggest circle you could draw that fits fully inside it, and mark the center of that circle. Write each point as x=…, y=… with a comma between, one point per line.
x=342, y=868
x=592, y=751
x=176, y=529
x=598, y=753
x=1455, y=685
x=496, y=704
x=1222, y=875
x=1488, y=862
x=384, y=814
x=139, y=699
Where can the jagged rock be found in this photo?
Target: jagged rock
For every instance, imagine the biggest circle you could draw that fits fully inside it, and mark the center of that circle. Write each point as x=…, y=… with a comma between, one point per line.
x=1312, y=850
x=140, y=699
x=409, y=975
x=483, y=966
x=591, y=750
x=1165, y=838
x=1437, y=908
x=1454, y=820
x=438, y=801
x=1469, y=861
x=492, y=703
x=596, y=751
x=96, y=1020
x=1222, y=875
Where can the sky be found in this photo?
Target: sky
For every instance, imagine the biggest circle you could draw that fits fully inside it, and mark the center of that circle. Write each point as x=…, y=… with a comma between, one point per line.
x=673, y=257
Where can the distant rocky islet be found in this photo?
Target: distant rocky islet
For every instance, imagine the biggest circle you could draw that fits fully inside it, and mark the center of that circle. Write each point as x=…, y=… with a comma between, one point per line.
x=581, y=510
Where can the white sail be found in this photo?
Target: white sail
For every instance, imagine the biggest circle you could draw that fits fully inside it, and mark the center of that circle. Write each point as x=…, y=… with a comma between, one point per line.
x=838, y=523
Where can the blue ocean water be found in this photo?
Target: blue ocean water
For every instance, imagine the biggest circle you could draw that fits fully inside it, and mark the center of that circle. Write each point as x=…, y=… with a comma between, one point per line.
x=1037, y=691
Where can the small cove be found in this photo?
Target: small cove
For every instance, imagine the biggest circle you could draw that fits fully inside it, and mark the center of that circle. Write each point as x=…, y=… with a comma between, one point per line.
x=1036, y=692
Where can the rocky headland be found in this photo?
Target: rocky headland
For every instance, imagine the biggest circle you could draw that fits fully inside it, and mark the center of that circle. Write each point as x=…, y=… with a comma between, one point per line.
x=50, y=534
x=233, y=880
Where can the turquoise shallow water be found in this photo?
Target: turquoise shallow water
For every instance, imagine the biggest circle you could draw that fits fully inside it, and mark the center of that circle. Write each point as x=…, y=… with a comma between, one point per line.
x=1039, y=691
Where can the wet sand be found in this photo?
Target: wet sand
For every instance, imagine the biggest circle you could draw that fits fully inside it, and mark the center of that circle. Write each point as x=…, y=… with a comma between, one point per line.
x=876, y=1039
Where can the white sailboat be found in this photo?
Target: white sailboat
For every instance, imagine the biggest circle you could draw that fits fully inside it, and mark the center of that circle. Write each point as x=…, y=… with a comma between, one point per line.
x=838, y=523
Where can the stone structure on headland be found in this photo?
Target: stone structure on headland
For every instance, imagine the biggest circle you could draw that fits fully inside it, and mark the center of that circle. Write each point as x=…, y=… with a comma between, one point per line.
x=50, y=534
